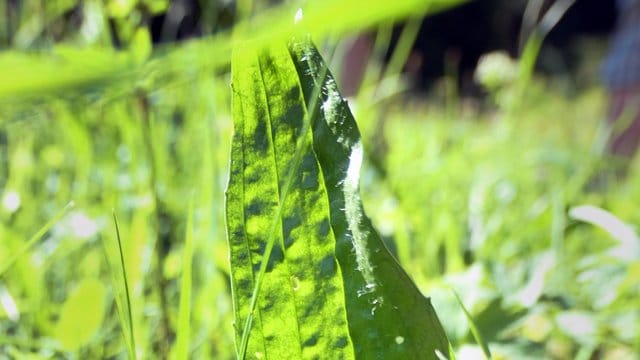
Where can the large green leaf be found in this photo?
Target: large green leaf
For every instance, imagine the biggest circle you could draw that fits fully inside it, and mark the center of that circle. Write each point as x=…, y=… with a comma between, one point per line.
x=305, y=260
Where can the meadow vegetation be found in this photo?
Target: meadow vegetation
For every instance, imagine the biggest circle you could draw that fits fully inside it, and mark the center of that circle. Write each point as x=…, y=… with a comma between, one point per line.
x=489, y=206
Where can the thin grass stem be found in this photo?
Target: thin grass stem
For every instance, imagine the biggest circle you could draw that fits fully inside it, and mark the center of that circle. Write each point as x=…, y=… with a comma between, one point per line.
x=27, y=245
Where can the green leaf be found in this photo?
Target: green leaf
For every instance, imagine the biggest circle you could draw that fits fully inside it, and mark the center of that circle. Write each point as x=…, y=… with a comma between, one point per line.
x=300, y=311
x=306, y=262
x=388, y=316
x=81, y=315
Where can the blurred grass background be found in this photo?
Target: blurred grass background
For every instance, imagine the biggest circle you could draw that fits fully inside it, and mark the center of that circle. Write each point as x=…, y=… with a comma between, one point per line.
x=470, y=194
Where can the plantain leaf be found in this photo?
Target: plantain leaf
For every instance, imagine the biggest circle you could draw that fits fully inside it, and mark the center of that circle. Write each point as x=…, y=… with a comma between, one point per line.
x=310, y=276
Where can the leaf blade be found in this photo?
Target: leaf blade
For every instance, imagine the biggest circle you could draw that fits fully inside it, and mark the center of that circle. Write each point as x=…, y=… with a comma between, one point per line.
x=388, y=316
x=303, y=253
x=293, y=202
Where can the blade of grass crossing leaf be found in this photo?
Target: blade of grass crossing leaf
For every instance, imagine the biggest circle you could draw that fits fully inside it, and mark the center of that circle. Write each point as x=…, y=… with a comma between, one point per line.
x=121, y=287
x=474, y=329
x=293, y=167
x=184, y=312
x=27, y=245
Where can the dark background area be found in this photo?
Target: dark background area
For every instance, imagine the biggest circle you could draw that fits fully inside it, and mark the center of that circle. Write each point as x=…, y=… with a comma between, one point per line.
x=453, y=40
x=464, y=33
x=460, y=35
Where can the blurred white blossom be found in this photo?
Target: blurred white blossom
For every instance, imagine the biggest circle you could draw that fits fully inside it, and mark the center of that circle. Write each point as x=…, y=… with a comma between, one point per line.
x=11, y=201
x=495, y=70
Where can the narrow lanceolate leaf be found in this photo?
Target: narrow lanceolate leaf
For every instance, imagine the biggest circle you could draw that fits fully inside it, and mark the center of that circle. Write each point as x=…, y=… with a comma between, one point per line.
x=310, y=276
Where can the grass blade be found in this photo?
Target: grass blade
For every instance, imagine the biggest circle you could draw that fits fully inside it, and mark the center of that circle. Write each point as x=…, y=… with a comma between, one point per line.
x=27, y=245
x=474, y=329
x=122, y=293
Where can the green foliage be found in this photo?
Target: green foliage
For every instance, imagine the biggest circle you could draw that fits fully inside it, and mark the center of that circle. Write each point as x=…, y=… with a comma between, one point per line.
x=186, y=281
x=101, y=68
x=294, y=214
x=122, y=294
x=474, y=329
x=489, y=200
x=302, y=292
x=8, y=261
x=81, y=315
x=383, y=305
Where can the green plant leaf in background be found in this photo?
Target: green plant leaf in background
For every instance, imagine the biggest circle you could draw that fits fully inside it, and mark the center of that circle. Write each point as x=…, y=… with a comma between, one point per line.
x=81, y=315
x=306, y=262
